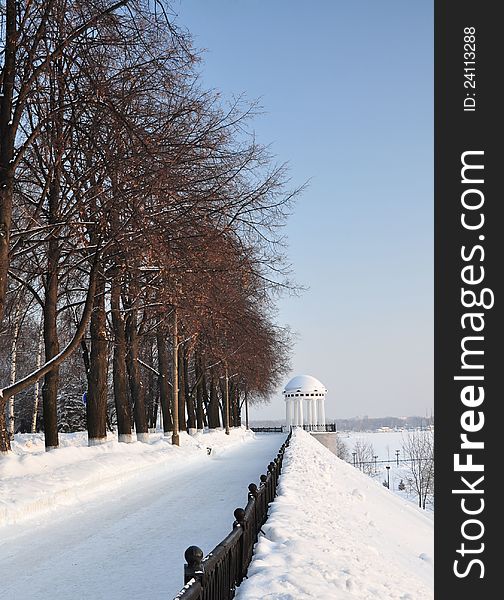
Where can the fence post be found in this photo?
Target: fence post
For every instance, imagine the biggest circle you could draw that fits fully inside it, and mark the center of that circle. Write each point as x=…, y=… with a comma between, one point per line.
x=239, y=515
x=264, y=497
x=254, y=493
x=194, y=567
x=272, y=482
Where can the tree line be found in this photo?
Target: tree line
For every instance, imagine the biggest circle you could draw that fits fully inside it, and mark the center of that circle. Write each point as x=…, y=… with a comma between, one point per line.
x=141, y=242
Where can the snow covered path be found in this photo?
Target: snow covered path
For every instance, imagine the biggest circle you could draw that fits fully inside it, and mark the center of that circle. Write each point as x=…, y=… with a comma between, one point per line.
x=130, y=543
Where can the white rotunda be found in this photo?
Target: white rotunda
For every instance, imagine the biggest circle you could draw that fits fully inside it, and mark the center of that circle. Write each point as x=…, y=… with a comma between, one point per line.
x=310, y=392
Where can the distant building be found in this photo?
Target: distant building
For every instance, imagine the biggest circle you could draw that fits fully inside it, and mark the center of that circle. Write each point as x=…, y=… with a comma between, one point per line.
x=305, y=401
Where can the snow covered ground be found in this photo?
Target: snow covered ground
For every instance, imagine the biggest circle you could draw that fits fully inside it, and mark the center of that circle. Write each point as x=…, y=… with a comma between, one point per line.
x=334, y=533
x=112, y=521
x=385, y=444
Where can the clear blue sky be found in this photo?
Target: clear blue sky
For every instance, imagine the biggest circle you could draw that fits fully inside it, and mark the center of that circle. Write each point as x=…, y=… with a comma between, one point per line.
x=348, y=92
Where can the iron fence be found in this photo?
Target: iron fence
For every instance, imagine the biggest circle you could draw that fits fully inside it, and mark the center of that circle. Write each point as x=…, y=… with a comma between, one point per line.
x=217, y=575
x=279, y=429
x=328, y=427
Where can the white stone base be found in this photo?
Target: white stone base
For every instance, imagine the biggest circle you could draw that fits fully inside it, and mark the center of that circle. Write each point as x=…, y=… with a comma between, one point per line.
x=126, y=438
x=143, y=437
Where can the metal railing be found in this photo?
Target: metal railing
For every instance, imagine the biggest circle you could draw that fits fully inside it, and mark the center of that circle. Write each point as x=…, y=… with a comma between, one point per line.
x=279, y=429
x=328, y=427
x=217, y=575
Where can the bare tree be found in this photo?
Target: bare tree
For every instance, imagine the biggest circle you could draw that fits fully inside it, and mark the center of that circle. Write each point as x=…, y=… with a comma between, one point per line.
x=364, y=456
x=341, y=448
x=418, y=449
x=128, y=194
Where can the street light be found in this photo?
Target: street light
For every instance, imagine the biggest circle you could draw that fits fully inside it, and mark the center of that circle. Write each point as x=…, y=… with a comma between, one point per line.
x=388, y=476
x=175, y=386
x=354, y=454
x=227, y=402
x=397, y=457
x=226, y=412
x=375, y=457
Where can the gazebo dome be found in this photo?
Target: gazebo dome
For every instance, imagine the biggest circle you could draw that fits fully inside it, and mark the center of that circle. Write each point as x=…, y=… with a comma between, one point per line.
x=308, y=392
x=305, y=384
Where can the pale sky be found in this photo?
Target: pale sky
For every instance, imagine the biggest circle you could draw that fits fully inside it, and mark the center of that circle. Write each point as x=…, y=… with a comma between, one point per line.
x=347, y=89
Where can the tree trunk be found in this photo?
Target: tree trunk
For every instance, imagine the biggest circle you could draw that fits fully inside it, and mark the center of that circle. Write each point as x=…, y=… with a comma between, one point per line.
x=152, y=392
x=36, y=396
x=191, y=411
x=200, y=415
x=164, y=386
x=14, y=345
x=7, y=137
x=236, y=407
x=51, y=343
x=136, y=386
x=205, y=399
x=182, y=391
x=122, y=405
x=153, y=401
x=96, y=406
x=213, y=417
x=5, y=444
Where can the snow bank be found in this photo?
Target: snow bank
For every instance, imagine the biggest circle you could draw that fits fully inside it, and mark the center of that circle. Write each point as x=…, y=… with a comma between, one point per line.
x=33, y=481
x=334, y=533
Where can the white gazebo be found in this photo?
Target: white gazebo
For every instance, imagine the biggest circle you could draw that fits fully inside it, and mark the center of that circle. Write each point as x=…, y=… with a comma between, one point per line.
x=310, y=392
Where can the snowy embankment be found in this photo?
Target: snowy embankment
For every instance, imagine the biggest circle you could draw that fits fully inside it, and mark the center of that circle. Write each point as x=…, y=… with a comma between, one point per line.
x=33, y=481
x=334, y=533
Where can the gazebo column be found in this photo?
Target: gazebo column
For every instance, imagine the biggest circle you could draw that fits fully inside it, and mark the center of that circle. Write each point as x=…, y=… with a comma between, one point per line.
x=300, y=411
x=321, y=411
x=311, y=418
x=314, y=411
x=288, y=411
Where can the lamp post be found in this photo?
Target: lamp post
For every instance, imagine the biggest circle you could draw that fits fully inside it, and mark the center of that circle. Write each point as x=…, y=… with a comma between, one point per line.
x=175, y=386
x=397, y=457
x=375, y=457
x=354, y=454
x=227, y=377
x=227, y=402
x=388, y=476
